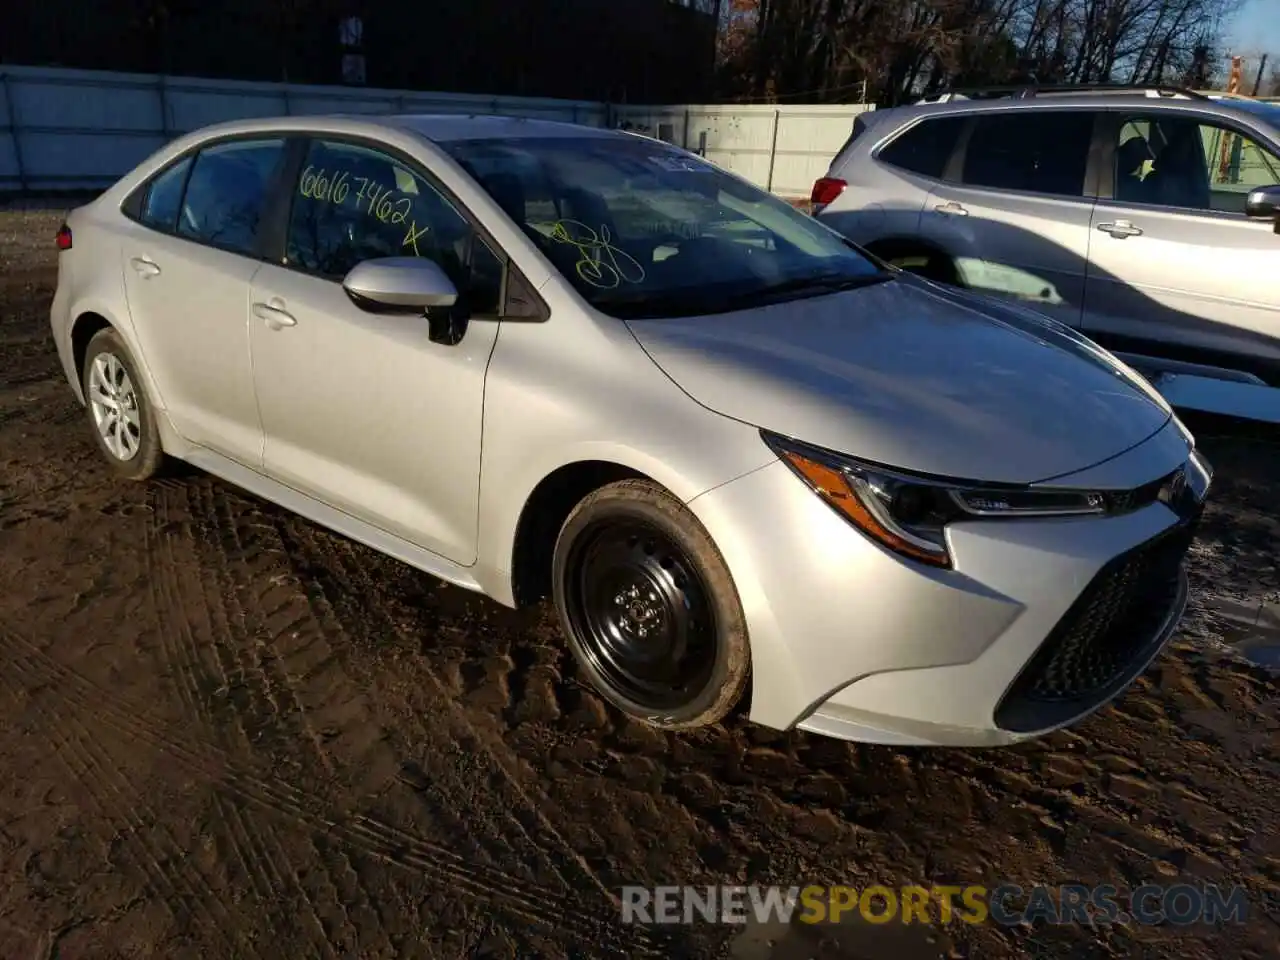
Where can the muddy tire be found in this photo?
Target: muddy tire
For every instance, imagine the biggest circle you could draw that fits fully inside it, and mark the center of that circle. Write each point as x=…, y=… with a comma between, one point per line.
x=649, y=608
x=120, y=414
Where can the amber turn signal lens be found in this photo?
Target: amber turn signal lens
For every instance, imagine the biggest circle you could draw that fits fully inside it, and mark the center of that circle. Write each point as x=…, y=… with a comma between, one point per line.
x=834, y=487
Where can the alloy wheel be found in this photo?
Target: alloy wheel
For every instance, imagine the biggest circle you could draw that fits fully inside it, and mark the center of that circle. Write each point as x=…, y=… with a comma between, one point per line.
x=114, y=403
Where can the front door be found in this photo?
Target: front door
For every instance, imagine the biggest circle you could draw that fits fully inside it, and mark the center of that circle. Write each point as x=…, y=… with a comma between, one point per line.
x=1175, y=267
x=1014, y=209
x=360, y=409
x=188, y=268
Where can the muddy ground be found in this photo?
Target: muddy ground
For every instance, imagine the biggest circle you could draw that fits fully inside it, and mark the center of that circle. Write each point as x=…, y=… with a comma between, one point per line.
x=225, y=732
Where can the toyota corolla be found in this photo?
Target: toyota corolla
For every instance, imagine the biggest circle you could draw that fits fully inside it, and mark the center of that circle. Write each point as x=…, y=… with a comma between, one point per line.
x=746, y=460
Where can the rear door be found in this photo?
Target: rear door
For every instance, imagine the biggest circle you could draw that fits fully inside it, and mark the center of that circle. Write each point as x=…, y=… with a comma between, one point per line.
x=1014, y=207
x=189, y=263
x=1176, y=268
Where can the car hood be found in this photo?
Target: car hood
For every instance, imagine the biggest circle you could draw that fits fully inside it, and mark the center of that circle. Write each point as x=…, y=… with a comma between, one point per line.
x=911, y=375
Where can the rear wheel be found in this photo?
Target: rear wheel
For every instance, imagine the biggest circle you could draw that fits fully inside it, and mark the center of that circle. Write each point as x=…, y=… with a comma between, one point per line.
x=649, y=608
x=120, y=415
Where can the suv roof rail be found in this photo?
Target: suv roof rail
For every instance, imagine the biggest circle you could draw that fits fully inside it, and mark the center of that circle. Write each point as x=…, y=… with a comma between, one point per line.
x=1027, y=90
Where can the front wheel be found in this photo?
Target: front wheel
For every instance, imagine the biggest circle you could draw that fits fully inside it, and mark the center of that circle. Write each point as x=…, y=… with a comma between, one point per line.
x=649, y=607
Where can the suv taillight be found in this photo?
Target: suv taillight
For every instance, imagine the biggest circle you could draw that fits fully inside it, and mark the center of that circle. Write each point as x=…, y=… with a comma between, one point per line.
x=825, y=190
x=64, y=237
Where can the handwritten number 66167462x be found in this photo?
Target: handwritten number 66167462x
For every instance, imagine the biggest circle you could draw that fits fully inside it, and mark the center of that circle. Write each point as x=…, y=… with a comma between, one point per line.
x=600, y=263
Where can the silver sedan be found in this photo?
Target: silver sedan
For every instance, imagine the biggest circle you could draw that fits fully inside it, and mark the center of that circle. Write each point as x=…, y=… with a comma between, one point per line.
x=742, y=456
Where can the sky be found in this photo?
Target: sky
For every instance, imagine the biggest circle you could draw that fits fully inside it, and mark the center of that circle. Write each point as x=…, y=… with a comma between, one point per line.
x=1256, y=29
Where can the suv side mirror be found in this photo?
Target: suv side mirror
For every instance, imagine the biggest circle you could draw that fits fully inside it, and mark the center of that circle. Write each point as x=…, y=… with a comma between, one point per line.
x=400, y=283
x=1263, y=203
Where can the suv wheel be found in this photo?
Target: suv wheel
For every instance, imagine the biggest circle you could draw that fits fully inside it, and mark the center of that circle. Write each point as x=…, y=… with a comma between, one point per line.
x=123, y=423
x=649, y=608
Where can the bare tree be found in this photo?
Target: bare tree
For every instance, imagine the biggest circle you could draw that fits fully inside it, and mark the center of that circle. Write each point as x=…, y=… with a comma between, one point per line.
x=823, y=49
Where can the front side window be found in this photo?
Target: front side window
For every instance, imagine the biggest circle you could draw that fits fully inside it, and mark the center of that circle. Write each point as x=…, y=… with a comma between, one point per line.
x=1179, y=161
x=163, y=198
x=353, y=203
x=1042, y=151
x=925, y=147
x=227, y=193
x=642, y=229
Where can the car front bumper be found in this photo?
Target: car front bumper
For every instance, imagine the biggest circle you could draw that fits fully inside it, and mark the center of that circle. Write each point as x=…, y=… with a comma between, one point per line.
x=854, y=642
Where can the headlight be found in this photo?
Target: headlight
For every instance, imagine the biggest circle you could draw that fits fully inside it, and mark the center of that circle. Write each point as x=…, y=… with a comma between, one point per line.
x=909, y=514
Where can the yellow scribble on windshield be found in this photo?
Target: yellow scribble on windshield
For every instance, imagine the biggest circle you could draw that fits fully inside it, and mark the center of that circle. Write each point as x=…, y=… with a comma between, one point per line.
x=600, y=263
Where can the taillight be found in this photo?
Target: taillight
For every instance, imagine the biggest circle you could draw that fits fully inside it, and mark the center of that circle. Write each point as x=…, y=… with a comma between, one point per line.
x=64, y=237
x=825, y=190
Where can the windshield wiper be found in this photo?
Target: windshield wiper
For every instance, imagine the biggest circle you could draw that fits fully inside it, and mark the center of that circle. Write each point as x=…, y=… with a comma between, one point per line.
x=676, y=303
x=821, y=283
x=691, y=303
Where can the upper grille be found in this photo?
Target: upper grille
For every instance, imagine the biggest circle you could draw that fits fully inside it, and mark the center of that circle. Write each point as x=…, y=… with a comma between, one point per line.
x=1123, y=501
x=1111, y=624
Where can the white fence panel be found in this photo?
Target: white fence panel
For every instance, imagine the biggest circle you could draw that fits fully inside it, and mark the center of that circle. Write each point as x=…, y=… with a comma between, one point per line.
x=81, y=129
x=783, y=149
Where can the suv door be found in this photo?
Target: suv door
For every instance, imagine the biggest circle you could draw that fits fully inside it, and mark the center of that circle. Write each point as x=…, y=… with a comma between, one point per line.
x=1014, y=208
x=188, y=260
x=1175, y=267
x=361, y=409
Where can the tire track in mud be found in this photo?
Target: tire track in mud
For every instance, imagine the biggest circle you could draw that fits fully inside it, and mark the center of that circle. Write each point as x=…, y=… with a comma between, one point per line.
x=314, y=649
x=255, y=846
x=303, y=542
x=184, y=893
x=291, y=539
x=276, y=621
x=368, y=835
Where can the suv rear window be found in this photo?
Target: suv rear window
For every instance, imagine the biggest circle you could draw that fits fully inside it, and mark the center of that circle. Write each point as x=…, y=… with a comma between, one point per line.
x=1042, y=151
x=925, y=147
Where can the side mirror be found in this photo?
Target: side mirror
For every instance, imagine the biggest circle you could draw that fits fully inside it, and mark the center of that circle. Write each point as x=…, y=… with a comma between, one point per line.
x=1263, y=203
x=400, y=283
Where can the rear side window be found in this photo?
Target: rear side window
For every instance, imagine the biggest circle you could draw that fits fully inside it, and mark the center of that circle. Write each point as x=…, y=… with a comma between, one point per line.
x=925, y=147
x=227, y=192
x=1039, y=152
x=164, y=197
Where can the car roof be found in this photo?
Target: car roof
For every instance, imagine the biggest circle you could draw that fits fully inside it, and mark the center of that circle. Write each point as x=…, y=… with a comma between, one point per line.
x=439, y=128
x=1226, y=107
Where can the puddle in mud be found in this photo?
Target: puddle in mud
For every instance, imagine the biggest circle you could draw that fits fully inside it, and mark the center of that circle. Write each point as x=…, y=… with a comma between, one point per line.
x=848, y=939
x=1251, y=629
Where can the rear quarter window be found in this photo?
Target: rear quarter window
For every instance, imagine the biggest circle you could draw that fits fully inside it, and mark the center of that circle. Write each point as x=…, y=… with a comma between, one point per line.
x=163, y=197
x=924, y=147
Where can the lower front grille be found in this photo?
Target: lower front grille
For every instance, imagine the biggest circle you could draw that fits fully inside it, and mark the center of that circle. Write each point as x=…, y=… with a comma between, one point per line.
x=1113, y=624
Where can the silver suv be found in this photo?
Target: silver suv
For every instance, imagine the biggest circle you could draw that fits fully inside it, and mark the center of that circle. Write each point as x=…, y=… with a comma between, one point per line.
x=1145, y=218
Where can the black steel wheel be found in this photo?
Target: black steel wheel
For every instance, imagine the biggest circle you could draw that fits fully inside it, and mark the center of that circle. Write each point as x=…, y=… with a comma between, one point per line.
x=648, y=606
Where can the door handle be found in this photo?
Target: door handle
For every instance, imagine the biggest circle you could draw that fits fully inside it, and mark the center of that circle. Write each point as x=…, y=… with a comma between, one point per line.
x=145, y=267
x=1120, y=229
x=276, y=317
x=952, y=208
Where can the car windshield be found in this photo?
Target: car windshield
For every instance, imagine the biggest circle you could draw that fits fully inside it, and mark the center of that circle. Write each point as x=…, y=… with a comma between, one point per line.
x=643, y=229
x=1270, y=112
